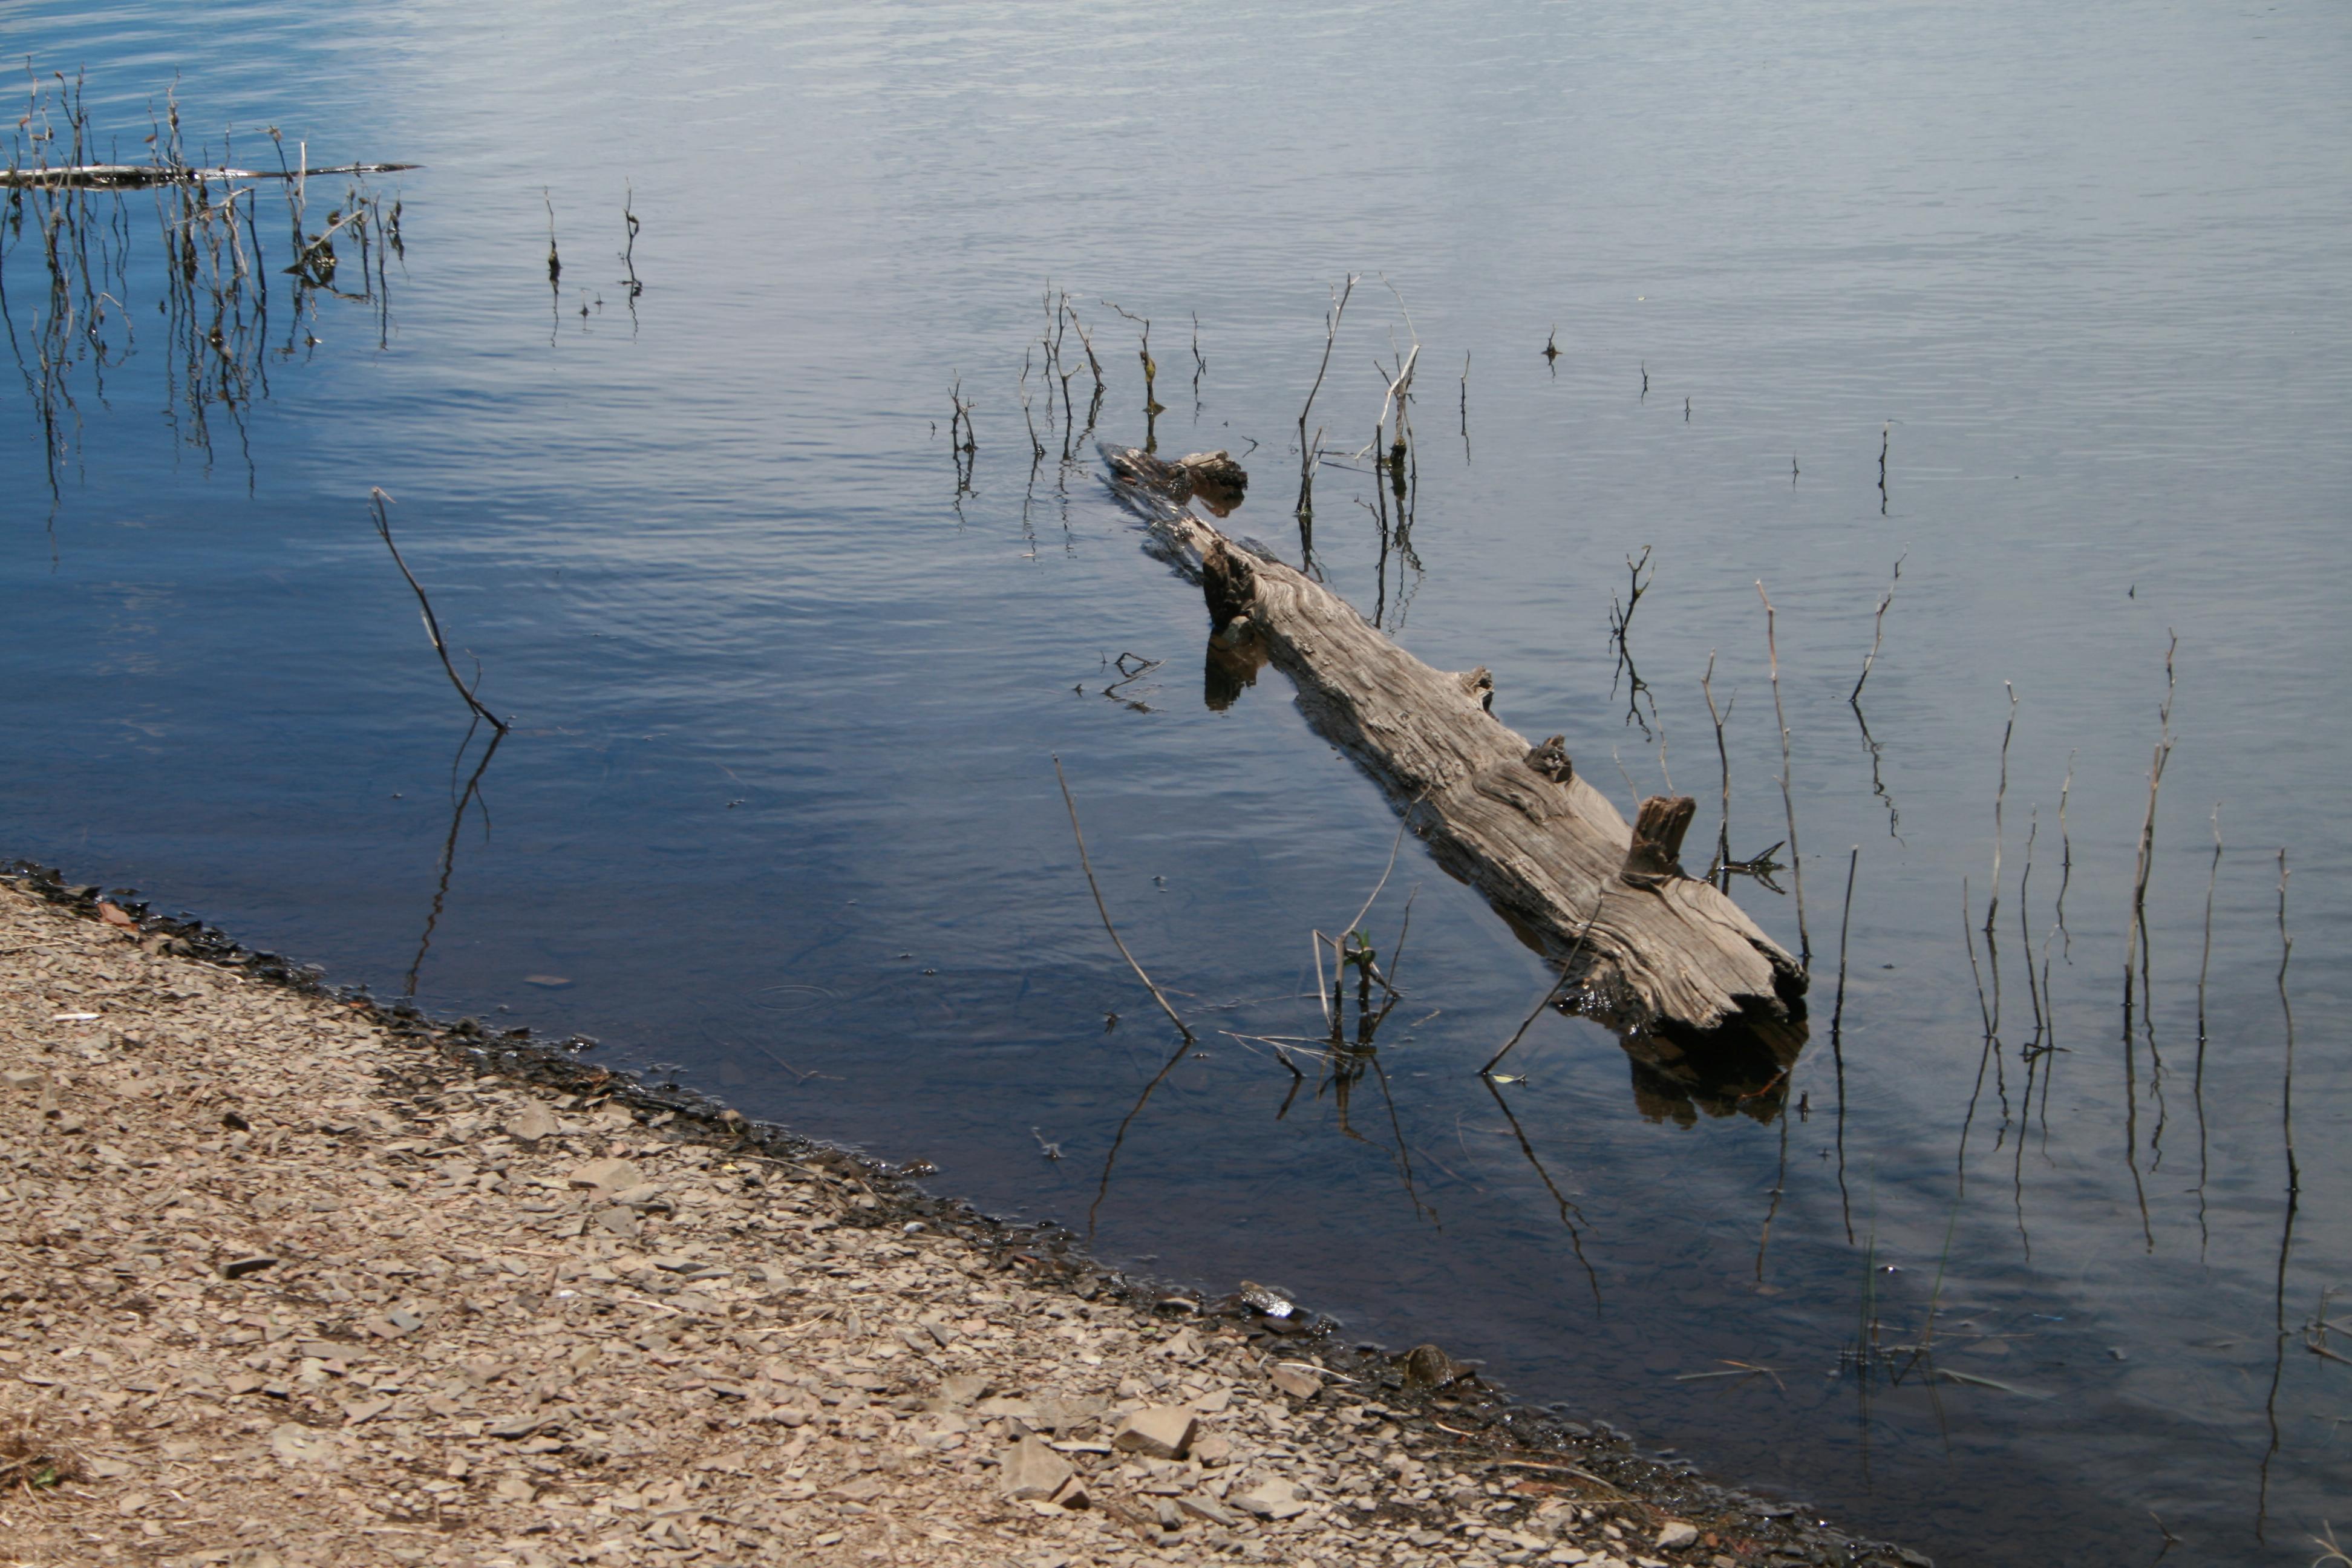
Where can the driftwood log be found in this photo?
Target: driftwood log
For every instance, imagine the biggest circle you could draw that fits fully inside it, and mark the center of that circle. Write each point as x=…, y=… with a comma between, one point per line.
x=140, y=176
x=1650, y=950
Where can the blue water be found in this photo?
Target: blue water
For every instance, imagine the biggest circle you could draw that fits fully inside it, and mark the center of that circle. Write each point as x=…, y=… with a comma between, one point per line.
x=779, y=809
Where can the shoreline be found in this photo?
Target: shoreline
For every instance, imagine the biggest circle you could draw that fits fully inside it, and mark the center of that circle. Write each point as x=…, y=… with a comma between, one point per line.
x=293, y=1277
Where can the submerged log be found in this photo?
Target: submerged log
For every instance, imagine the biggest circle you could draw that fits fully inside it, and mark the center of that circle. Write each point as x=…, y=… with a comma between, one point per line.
x=1648, y=946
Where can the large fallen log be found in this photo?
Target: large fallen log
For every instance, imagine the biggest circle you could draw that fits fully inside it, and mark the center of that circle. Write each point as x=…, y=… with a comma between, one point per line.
x=1645, y=947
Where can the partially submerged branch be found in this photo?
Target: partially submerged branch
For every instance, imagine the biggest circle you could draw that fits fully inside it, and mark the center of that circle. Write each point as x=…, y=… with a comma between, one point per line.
x=377, y=500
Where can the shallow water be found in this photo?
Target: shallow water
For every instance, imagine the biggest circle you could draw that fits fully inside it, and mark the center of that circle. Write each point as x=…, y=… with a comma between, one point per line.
x=779, y=811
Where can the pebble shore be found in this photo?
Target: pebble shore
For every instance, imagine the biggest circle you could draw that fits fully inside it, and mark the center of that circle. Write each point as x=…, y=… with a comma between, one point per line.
x=287, y=1280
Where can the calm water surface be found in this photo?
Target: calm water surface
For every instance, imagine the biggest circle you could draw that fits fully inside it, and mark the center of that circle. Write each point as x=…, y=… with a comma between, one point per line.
x=779, y=809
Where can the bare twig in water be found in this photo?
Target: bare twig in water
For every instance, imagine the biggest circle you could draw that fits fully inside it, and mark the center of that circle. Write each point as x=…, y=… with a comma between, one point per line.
x=2294, y=1202
x=1100, y=907
x=2000, y=800
x=2286, y=1011
x=1878, y=627
x=2135, y=938
x=1719, y=872
x=2066, y=854
x=1787, y=800
x=1036, y=447
x=1152, y=408
x=377, y=501
x=1545, y=999
x=1309, y=451
x=2204, y=967
x=1199, y=365
x=1837, y=1039
x=1399, y=390
x=1087, y=341
x=1621, y=621
x=629, y=224
x=960, y=431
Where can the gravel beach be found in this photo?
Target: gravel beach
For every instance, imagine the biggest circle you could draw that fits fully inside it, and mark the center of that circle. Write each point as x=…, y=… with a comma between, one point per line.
x=288, y=1280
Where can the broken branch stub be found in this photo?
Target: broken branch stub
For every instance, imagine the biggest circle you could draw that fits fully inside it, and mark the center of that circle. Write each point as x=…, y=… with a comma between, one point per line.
x=1655, y=856
x=1646, y=944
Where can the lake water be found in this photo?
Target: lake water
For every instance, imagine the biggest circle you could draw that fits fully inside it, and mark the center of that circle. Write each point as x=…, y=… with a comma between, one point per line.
x=779, y=811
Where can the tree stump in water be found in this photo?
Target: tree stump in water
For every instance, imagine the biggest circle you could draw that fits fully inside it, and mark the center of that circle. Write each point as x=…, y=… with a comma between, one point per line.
x=1648, y=947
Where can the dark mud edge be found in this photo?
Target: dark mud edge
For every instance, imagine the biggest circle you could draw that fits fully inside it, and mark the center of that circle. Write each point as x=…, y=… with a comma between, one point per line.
x=1458, y=1420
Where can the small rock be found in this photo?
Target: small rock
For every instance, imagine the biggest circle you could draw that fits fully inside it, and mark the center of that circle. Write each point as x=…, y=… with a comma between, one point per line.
x=513, y=1488
x=533, y=1122
x=1267, y=1299
x=1297, y=1382
x=1427, y=1366
x=1275, y=1499
x=864, y=1488
x=1202, y=1506
x=958, y=1391
x=619, y=1222
x=1032, y=1470
x=643, y=1195
x=238, y=1268
x=1159, y=1431
x=608, y=1175
x=1676, y=1535
x=512, y=1426
x=1213, y=1449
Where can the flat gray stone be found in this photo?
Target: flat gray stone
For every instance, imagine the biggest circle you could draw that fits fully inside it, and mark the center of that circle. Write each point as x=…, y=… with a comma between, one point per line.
x=1032, y=1470
x=1161, y=1431
x=532, y=1123
x=1274, y=1498
x=1297, y=1382
x=959, y=1389
x=608, y=1175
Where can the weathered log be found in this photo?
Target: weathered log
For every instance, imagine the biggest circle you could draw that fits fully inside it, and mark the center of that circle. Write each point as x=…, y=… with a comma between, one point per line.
x=140, y=176
x=1646, y=945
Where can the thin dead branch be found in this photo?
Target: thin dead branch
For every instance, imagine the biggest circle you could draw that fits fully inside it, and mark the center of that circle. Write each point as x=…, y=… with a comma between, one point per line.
x=1104, y=909
x=377, y=501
